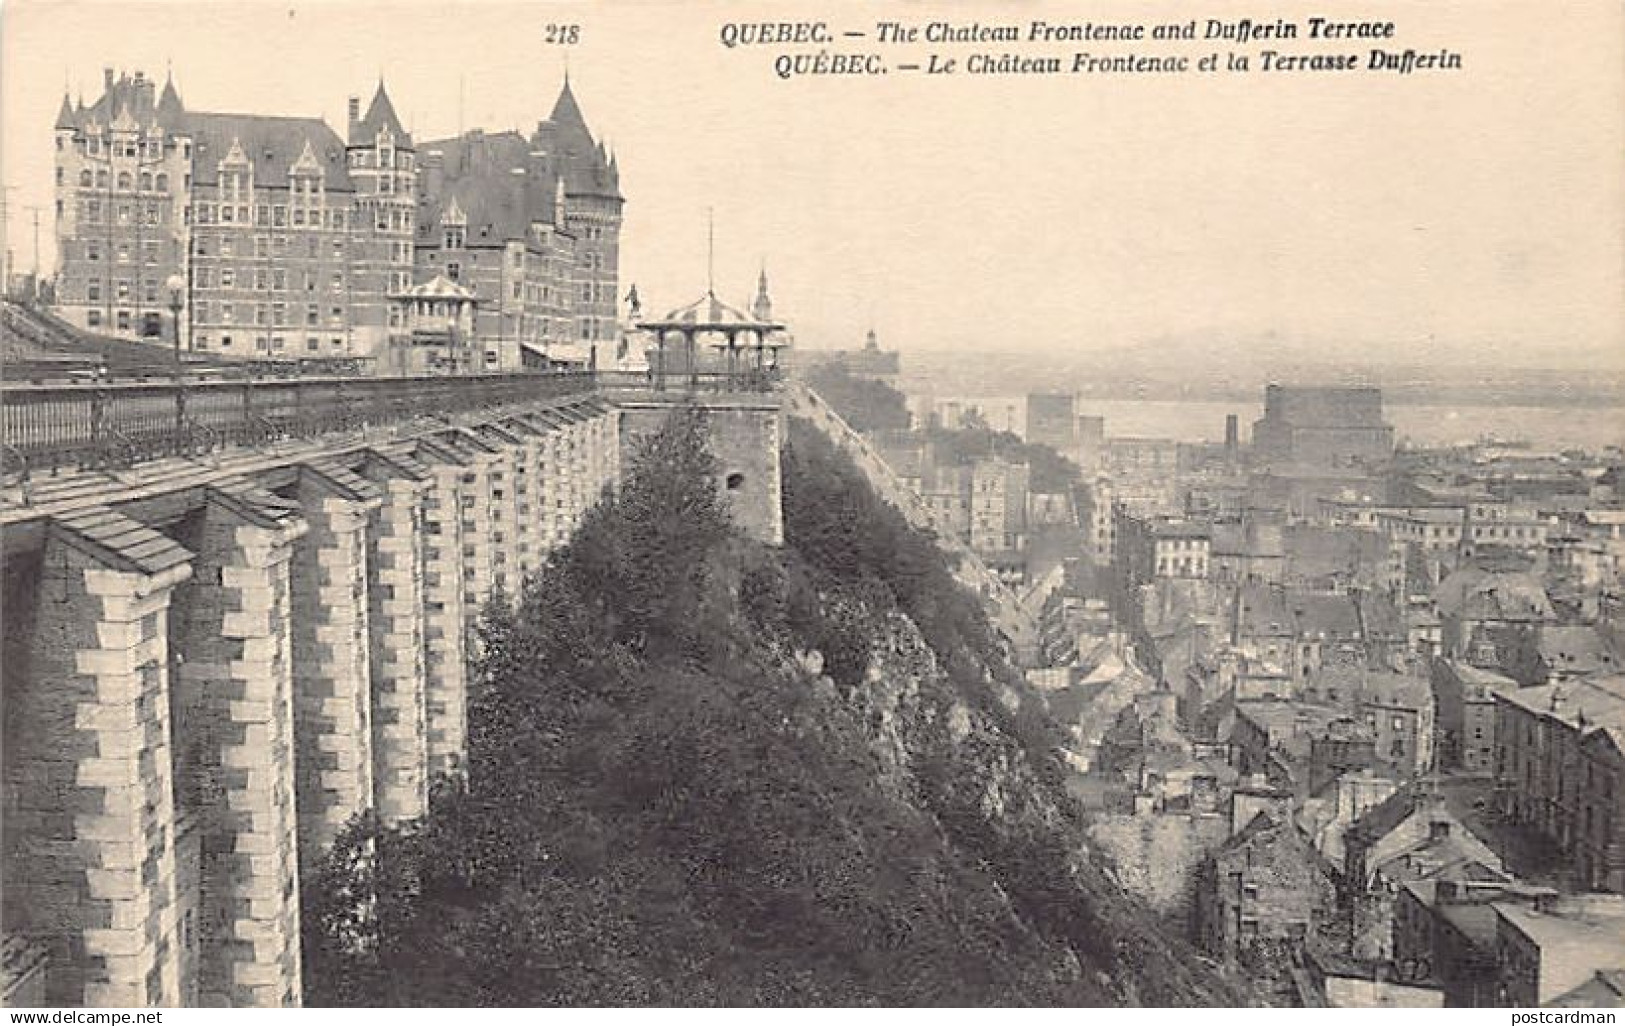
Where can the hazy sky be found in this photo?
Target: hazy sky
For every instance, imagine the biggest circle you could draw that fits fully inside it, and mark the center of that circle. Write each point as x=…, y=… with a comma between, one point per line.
x=1421, y=217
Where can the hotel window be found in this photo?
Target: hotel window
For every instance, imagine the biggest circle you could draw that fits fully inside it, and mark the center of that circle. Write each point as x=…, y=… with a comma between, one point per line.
x=146, y=181
x=149, y=290
x=262, y=280
x=123, y=213
x=226, y=214
x=262, y=246
x=338, y=249
x=163, y=181
x=227, y=313
x=337, y=314
x=338, y=282
x=228, y=277
x=312, y=316
x=262, y=213
x=261, y=314
x=299, y=215
x=279, y=215
x=123, y=180
x=124, y=320
x=149, y=251
x=84, y=178
x=93, y=250
x=312, y=344
x=101, y=178
x=225, y=343
x=279, y=314
x=279, y=279
x=454, y=270
x=123, y=290
x=225, y=247
x=94, y=317
x=93, y=291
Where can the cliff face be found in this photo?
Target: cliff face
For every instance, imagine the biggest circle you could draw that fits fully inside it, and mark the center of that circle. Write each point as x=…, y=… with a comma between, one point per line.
x=703, y=771
x=957, y=733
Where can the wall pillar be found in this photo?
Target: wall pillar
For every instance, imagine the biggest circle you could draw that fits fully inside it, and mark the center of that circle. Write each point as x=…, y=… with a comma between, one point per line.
x=398, y=613
x=456, y=556
x=89, y=868
x=507, y=457
x=236, y=759
x=531, y=549
x=332, y=680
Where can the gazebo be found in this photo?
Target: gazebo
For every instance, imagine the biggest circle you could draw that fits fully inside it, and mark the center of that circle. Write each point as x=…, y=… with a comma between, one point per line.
x=748, y=345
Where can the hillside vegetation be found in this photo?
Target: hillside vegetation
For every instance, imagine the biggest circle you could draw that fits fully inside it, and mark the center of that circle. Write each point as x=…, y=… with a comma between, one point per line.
x=704, y=771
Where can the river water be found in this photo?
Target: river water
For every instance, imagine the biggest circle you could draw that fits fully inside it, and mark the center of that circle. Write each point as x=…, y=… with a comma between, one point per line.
x=1545, y=427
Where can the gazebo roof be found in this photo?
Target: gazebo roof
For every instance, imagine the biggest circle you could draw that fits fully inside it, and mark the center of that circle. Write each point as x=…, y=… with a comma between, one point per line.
x=438, y=287
x=710, y=314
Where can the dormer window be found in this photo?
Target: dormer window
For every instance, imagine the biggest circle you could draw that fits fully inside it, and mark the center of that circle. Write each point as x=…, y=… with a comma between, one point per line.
x=455, y=237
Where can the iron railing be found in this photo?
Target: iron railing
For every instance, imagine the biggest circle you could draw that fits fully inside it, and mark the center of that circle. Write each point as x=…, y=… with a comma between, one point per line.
x=116, y=423
x=697, y=382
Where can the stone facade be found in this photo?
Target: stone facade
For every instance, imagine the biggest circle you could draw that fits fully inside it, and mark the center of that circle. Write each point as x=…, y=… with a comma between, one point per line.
x=235, y=764
x=331, y=655
x=217, y=679
x=290, y=241
x=89, y=813
x=397, y=610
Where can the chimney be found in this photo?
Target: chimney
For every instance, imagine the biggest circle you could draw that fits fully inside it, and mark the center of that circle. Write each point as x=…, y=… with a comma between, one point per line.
x=1438, y=830
x=355, y=111
x=434, y=172
x=107, y=79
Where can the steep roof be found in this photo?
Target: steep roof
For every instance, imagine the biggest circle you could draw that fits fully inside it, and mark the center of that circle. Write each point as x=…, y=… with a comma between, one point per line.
x=65, y=117
x=1476, y=593
x=171, y=111
x=585, y=166
x=495, y=203
x=380, y=115
x=497, y=181
x=272, y=144
x=1324, y=616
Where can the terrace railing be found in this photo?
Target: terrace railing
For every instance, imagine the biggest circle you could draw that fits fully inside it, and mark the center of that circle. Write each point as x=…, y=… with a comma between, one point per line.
x=100, y=424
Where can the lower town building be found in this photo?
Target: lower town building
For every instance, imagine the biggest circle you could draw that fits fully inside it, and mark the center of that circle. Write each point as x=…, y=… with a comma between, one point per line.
x=1560, y=769
x=1266, y=891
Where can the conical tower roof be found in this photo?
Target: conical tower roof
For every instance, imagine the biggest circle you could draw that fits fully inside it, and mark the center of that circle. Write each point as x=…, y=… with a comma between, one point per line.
x=64, y=116
x=171, y=112
x=581, y=160
x=380, y=115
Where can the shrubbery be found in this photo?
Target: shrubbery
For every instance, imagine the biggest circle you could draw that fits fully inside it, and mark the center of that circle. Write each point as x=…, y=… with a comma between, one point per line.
x=661, y=807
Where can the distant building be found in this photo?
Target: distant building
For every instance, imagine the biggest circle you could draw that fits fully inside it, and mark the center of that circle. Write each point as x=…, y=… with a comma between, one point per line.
x=1329, y=428
x=1264, y=894
x=869, y=362
x=1052, y=421
x=277, y=238
x=1318, y=443
x=1560, y=769
x=1154, y=547
x=1547, y=950
x=1464, y=696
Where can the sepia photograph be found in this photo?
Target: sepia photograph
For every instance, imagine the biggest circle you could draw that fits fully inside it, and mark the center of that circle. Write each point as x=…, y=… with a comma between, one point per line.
x=733, y=504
